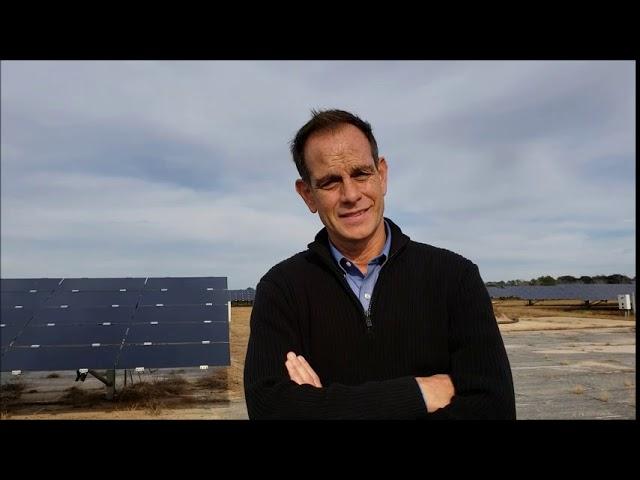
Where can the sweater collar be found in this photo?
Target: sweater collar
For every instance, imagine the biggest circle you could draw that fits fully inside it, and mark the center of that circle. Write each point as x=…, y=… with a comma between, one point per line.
x=320, y=245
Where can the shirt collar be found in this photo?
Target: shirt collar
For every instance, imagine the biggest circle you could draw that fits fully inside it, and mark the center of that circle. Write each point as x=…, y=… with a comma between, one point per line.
x=380, y=259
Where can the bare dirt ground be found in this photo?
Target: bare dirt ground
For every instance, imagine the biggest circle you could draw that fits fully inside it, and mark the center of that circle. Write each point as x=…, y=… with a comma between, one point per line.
x=517, y=315
x=218, y=394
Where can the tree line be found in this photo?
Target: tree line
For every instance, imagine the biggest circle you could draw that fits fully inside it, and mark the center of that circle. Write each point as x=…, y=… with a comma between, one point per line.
x=566, y=280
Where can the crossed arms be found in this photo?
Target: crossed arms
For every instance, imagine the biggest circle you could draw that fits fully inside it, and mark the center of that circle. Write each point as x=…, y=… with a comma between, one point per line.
x=437, y=390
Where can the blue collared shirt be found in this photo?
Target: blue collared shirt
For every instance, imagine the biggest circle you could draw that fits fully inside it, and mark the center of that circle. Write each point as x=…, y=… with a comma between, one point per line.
x=362, y=285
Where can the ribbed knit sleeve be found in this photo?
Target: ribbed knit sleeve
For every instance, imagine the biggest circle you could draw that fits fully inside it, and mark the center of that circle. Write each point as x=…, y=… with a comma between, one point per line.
x=270, y=394
x=480, y=368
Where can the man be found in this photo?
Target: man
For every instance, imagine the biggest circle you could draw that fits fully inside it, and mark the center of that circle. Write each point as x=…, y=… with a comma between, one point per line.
x=367, y=323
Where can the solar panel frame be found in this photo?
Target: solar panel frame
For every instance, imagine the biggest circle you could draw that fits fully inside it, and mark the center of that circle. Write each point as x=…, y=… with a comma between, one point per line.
x=59, y=358
x=178, y=333
x=27, y=284
x=8, y=333
x=158, y=283
x=15, y=316
x=26, y=300
x=174, y=356
x=134, y=284
x=66, y=335
x=183, y=297
x=92, y=299
x=181, y=313
x=591, y=292
x=83, y=316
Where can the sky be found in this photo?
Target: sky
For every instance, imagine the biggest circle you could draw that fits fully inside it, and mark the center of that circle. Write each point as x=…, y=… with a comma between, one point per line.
x=182, y=168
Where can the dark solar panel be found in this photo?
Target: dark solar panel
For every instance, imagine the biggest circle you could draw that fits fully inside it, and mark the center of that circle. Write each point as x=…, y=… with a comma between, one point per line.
x=188, y=313
x=8, y=333
x=179, y=333
x=83, y=316
x=166, y=356
x=157, y=283
x=28, y=284
x=241, y=295
x=18, y=316
x=58, y=358
x=92, y=299
x=88, y=335
x=184, y=297
x=592, y=292
x=83, y=323
x=26, y=300
x=103, y=284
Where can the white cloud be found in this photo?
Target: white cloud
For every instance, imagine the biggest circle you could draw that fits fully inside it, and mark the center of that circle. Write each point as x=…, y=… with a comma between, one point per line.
x=182, y=168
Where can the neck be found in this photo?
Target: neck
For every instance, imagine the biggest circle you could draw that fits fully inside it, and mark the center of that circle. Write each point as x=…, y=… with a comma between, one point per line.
x=361, y=252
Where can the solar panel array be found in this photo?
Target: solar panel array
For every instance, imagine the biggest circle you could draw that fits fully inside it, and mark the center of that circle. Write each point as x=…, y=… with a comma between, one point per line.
x=106, y=323
x=247, y=295
x=592, y=292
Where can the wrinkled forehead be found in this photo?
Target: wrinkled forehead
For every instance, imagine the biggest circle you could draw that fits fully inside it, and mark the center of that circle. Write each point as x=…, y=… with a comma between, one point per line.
x=341, y=146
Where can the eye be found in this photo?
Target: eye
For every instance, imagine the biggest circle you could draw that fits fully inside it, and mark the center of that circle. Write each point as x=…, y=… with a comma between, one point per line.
x=362, y=176
x=328, y=185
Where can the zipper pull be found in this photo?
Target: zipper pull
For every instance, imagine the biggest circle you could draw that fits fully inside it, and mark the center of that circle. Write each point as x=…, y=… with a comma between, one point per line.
x=367, y=319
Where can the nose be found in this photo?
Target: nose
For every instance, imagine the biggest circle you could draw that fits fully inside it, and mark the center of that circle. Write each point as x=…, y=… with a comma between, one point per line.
x=350, y=191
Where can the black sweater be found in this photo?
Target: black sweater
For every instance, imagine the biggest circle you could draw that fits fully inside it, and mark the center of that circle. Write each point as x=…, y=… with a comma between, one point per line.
x=429, y=313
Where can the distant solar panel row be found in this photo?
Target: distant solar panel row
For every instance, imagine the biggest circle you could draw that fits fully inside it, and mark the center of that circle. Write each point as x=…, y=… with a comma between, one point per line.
x=114, y=323
x=241, y=295
x=593, y=293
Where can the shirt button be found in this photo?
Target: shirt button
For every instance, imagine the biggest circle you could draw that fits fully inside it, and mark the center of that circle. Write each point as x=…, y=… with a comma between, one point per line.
x=348, y=264
x=367, y=296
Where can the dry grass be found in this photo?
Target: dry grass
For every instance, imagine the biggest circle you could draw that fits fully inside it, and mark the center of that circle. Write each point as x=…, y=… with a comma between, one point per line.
x=152, y=396
x=604, y=397
x=578, y=390
x=78, y=397
x=144, y=391
x=515, y=309
x=218, y=380
x=12, y=391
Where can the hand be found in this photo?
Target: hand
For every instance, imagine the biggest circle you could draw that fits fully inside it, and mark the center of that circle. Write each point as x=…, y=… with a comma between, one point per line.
x=300, y=371
x=437, y=391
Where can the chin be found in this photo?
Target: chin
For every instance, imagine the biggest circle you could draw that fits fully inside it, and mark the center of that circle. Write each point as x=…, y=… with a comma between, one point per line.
x=357, y=233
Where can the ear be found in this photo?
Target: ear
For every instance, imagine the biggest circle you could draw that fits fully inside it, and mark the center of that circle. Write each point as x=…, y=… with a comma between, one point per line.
x=383, y=170
x=304, y=190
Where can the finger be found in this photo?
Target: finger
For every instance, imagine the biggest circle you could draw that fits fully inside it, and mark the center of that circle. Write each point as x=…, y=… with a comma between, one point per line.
x=296, y=372
x=310, y=371
x=293, y=372
x=302, y=372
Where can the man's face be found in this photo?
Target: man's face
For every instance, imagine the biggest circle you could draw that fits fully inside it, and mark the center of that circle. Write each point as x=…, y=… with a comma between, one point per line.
x=345, y=187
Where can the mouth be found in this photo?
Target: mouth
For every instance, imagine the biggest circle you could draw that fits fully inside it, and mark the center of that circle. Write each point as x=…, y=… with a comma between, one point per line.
x=354, y=216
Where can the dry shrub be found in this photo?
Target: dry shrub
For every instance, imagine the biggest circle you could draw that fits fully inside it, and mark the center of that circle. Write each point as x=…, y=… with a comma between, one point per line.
x=578, y=390
x=144, y=391
x=11, y=391
x=150, y=395
x=53, y=375
x=217, y=380
x=78, y=397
